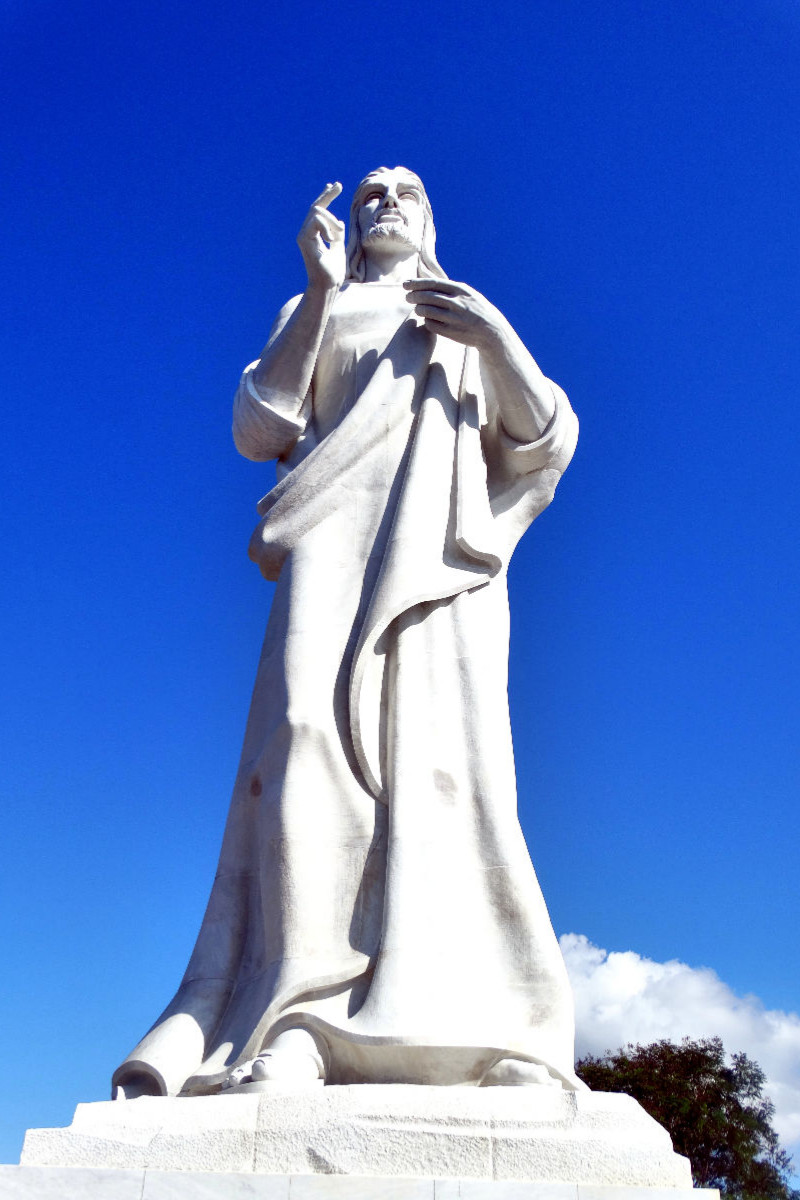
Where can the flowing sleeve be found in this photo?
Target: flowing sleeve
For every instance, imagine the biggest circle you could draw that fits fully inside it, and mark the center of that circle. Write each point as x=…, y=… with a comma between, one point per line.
x=552, y=451
x=522, y=477
x=261, y=430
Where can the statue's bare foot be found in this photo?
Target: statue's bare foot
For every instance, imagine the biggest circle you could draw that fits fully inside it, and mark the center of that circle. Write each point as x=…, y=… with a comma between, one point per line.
x=242, y=1074
x=291, y=1060
x=514, y=1072
x=286, y=1066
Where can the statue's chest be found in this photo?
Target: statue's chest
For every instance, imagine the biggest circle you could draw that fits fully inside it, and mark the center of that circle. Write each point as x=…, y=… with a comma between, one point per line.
x=355, y=344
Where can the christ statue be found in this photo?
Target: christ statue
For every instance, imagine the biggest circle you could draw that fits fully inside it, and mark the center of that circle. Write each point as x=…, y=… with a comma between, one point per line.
x=375, y=917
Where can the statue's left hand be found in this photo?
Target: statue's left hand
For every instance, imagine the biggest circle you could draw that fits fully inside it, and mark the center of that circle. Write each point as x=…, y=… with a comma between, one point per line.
x=456, y=311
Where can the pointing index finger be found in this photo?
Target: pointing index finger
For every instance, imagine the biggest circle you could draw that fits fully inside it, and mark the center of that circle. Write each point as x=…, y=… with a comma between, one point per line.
x=328, y=195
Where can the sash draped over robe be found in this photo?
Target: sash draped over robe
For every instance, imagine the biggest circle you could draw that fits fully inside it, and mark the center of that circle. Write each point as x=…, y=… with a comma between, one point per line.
x=374, y=885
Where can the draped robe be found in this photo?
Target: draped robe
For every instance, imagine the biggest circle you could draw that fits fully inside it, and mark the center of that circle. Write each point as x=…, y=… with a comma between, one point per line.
x=374, y=886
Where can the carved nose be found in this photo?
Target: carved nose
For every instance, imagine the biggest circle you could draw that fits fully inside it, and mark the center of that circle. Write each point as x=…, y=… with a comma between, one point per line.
x=389, y=201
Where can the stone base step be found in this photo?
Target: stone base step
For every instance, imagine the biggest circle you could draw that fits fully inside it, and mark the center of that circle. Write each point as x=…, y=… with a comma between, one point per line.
x=102, y=1183
x=530, y=1134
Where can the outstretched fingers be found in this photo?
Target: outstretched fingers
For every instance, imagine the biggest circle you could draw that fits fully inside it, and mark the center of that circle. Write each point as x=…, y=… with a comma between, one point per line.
x=429, y=299
x=327, y=195
x=443, y=287
x=321, y=240
x=437, y=312
x=455, y=333
x=321, y=221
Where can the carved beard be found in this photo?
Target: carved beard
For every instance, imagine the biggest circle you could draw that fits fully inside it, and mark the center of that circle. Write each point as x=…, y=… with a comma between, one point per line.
x=394, y=231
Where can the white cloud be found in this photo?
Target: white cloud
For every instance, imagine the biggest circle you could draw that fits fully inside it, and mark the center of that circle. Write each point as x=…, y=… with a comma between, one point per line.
x=621, y=997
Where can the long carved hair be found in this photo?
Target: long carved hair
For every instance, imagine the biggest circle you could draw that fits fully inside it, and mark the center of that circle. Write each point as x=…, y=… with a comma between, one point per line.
x=428, y=264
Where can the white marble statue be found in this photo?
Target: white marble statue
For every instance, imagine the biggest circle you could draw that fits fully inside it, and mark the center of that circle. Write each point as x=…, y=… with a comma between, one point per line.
x=375, y=917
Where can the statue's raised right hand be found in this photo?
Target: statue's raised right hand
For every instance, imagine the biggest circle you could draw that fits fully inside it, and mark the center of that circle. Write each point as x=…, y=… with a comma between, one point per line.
x=321, y=242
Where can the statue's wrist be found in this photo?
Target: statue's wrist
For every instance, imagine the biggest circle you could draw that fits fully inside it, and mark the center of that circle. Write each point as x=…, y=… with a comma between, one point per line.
x=321, y=291
x=494, y=344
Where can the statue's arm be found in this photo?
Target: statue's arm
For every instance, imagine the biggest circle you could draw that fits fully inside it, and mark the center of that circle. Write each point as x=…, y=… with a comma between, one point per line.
x=273, y=391
x=265, y=422
x=515, y=384
x=286, y=365
x=512, y=380
x=519, y=397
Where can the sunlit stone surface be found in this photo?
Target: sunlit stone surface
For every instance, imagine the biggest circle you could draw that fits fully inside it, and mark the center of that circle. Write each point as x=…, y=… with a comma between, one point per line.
x=543, y=1135
x=375, y=916
x=376, y=992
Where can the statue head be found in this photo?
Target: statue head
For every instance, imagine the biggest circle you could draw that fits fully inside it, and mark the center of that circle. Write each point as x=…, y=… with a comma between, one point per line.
x=413, y=226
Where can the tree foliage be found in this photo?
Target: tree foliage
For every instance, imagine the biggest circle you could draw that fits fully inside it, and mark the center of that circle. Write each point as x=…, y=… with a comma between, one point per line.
x=715, y=1112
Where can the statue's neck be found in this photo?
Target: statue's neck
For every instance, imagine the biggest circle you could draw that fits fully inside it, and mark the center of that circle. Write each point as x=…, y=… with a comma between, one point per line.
x=390, y=269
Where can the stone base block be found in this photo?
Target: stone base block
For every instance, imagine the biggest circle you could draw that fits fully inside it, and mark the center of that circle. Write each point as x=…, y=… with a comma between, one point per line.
x=537, y=1135
x=98, y=1183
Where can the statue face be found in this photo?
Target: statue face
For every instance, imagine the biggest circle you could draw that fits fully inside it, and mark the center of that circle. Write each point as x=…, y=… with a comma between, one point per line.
x=392, y=213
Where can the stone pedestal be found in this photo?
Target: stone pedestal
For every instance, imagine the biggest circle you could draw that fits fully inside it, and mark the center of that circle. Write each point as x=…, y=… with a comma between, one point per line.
x=97, y=1183
x=397, y=1142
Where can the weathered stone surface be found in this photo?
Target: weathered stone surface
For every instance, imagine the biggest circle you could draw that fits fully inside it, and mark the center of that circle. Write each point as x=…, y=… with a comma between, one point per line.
x=69, y=1183
x=203, y=1134
x=95, y=1183
x=543, y=1135
x=416, y=441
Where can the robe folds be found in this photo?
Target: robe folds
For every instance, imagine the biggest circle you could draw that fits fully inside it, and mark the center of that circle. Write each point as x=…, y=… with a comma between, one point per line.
x=374, y=886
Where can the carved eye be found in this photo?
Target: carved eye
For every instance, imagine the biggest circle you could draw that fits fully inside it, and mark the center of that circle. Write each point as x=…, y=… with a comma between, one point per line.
x=409, y=196
x=372, y=196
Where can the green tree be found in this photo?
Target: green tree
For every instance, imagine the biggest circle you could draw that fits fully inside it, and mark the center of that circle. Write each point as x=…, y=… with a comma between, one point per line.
x=715, y=1112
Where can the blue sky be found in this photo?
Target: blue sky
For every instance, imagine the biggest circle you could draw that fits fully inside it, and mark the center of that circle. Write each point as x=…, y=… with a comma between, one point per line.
x=622, y=180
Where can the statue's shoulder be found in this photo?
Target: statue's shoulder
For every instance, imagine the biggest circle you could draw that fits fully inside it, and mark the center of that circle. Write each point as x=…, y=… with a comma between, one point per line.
x=288, y=308
x=349, y=297
x=283, y=317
